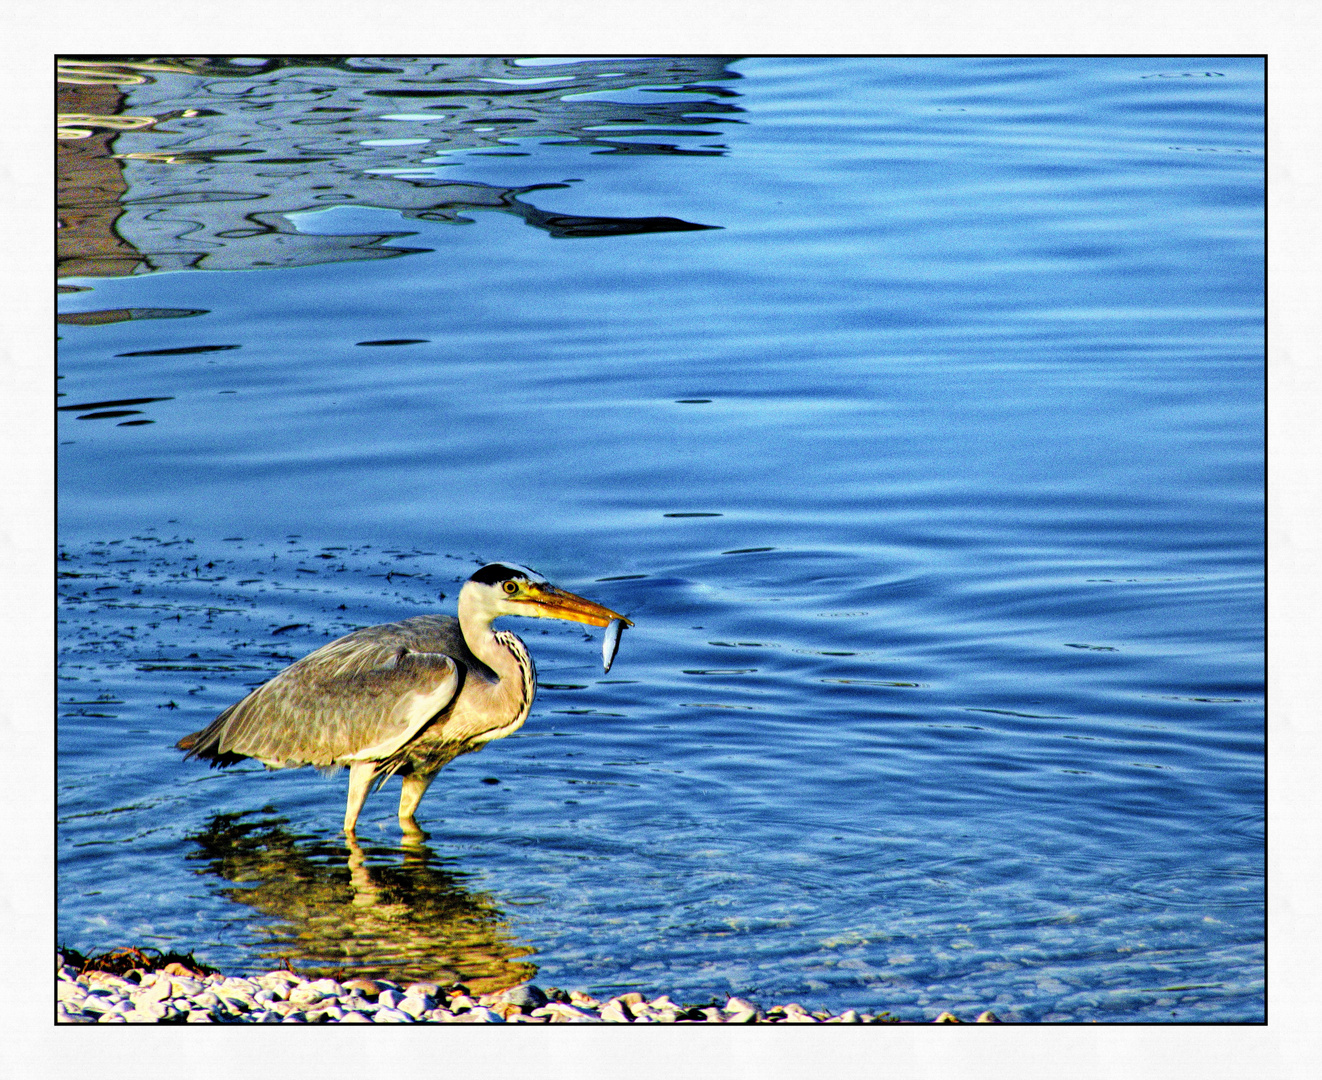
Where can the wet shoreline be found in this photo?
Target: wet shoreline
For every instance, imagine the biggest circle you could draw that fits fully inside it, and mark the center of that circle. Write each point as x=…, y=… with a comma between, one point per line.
x=177, y=993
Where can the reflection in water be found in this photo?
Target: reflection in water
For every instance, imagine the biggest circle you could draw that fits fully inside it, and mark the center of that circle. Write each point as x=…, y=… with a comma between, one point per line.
x=195, y=163
x=115, y=315
x=385, y=912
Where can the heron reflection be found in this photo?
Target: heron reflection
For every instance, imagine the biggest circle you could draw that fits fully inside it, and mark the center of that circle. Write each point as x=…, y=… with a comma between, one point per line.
x=347, y=909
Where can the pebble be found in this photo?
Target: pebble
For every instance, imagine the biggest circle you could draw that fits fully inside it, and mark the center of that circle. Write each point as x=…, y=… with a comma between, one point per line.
x=416, y=1006
x=527, y=997
x=176, y=995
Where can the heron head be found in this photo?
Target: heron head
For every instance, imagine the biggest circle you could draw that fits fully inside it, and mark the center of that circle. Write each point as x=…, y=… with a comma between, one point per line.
x=502, y=588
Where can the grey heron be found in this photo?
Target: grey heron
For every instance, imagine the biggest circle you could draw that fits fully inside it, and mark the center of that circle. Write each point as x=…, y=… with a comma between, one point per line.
x=405, y=697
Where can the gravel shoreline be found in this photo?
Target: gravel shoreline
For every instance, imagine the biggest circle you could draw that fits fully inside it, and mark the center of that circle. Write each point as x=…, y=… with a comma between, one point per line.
x=177, y=994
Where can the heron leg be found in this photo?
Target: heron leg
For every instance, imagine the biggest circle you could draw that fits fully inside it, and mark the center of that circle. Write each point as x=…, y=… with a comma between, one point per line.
x=360, y=783
x=415, y=785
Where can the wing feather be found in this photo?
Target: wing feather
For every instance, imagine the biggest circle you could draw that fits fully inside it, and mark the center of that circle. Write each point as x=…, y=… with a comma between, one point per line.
x=361, y=697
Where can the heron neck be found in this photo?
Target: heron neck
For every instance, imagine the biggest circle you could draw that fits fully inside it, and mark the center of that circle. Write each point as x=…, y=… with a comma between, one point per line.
x=502, y=652
x=503, y=704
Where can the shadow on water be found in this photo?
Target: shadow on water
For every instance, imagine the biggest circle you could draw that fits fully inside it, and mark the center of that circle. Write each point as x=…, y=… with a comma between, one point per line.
x=373, y=910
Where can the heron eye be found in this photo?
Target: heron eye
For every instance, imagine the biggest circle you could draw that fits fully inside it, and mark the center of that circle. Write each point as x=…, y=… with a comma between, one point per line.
x=511, y=588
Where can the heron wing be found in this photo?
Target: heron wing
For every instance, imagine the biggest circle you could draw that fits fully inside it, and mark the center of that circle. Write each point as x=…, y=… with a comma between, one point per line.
x=359, y=698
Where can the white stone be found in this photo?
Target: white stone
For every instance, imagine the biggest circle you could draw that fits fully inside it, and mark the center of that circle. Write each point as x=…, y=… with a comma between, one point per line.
x=100, y=1003
x=65, y=1014
x=266, y=1016
x=236, y=1001
x=559, y=1012
x=274, y=992
x=157, y=991
x=416, y=1006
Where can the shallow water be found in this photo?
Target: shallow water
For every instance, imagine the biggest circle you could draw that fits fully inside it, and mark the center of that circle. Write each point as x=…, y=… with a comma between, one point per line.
x=930, y=472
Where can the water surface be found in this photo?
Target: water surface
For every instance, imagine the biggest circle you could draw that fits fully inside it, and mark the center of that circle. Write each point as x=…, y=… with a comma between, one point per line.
x=911, y=408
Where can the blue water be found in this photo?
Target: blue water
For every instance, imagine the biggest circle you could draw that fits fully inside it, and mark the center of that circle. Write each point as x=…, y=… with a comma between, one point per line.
x=951, y=698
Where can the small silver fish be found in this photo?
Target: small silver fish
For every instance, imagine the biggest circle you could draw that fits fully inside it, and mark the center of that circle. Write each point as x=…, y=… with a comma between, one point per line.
x=610, y=644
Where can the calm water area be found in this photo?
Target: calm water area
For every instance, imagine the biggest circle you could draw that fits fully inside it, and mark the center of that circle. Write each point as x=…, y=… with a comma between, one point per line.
x=911, y=408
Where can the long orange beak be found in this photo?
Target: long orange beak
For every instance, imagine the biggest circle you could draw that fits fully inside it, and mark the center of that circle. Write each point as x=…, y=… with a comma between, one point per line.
x=550, y=602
